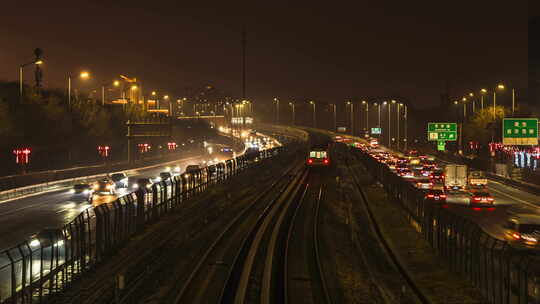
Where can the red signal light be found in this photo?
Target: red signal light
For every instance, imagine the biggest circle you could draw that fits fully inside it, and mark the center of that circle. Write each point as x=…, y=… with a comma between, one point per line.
x=325, y=161
x=310, y=161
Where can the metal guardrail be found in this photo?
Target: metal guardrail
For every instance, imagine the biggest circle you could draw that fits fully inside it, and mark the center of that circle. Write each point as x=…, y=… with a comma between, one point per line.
x=35, y=270
x=502, y=273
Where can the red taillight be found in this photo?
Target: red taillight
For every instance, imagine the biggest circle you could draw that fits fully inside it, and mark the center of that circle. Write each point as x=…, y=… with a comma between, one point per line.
x=442, y=196
x=431, y=184
x=476, y=199
x=430, y=195
x=431, y=176
x=325, y=161
x=490, y=199
x=476, y=209
x=310, y=161
x=516, y=236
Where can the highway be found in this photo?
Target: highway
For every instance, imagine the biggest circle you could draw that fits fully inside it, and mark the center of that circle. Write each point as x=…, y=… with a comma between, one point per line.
x=21, y=218
x=508, y=201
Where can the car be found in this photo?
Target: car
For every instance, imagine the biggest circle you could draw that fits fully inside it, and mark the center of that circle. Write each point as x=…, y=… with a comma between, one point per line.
x=426, y=170
x=143, y=183
x=435, y=195
x=423, y=183
x=192, y=168
x=82, y=190
x=120, y=179
x=482, y=198
x=523, y=229
x=164, y=176
x=406, y=173
x=105, y=185
x=174, y=170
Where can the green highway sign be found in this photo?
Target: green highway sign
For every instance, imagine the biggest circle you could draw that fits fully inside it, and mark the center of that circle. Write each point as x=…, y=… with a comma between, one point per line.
x=441, y=145
x=442, y=131
x=520, y=131
x=376, y=130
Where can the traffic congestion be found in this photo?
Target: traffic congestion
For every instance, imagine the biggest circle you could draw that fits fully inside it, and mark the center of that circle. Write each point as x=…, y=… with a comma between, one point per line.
x=465, y=191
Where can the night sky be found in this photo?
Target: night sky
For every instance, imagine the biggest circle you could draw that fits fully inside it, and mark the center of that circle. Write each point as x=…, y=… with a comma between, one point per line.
x=324, y=52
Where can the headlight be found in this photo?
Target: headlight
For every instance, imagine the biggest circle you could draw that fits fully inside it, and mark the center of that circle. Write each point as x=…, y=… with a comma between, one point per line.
x=72, y=191
x=158, y=179
x=135, y=185
x=186, y=175
x=34, y=243
x=167, y=169
x=59, y=243
x=86, y=191
x=96, y=186
x=177, y=168
x=108, y=187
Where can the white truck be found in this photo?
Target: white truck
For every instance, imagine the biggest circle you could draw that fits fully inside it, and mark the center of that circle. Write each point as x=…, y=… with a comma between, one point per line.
x=455, y=177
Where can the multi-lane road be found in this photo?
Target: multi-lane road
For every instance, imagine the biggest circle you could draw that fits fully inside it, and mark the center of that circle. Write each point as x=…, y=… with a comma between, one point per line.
x=509, y=201
x=21, y=218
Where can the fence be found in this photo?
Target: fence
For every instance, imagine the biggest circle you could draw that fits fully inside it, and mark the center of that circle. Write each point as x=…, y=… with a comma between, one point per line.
x=502, y=273
x=49, y=263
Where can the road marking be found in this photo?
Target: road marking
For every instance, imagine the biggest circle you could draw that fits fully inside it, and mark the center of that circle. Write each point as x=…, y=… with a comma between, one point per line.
x=517, y=199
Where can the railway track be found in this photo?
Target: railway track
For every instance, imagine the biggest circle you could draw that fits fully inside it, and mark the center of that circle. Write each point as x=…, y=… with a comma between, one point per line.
x=304, y=276
x=200, y=286
x=416, y=291
x=279, y=260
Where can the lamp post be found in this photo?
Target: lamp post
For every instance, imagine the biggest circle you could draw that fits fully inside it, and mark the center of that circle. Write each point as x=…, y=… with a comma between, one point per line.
x=82, y=75
x=473, y=102
x=482, y=93
x=398, y=118
x=500, y=87
x=351, y=116
x=378, y=105
x=405, y=127
x=389, y=122
x=513, y=100
x=367, y=115
x=36, y=62
x=314, y=115
x=464, y=99
x=293, y=113
x=276, y=100
x=333, y=105
x=166, y=97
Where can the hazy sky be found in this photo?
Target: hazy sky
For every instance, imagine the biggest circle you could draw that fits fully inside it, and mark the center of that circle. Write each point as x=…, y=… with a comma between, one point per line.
x=329, y=52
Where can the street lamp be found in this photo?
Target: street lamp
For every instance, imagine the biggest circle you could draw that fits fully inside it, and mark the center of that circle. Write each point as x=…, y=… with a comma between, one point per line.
x=464, y=99
x=314, y=117
x=82, y=75
x=276, y=100
x=405, y=128
x=36, y=62
x=367, y=114
x=482, y=93
x=333, y=105
x=293, y=113
x=352, y=116
x=389, y=121
x=399, y=105
x=500, y=86
x=379, y=114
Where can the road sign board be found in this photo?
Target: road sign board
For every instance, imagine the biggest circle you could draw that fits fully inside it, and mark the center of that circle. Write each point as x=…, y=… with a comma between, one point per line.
x=442, y=131
x=441, y=145
x=376, y=130
x=520, y=131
